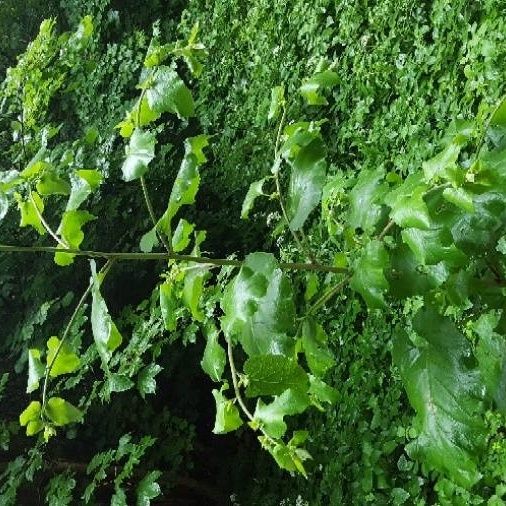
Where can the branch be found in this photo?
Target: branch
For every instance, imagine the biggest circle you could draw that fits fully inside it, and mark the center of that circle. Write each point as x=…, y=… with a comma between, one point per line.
x=166, y=256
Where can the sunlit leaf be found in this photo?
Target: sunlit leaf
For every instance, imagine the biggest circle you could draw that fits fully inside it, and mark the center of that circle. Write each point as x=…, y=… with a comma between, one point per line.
x=227, y=414
x=62, y=412
x=65, y=362
x=169, y=93
x=36, y=370
x=30, y=212
x=255, y=190
x=139, y=153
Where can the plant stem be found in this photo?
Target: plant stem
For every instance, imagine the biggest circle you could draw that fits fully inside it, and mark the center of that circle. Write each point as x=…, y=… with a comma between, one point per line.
x=105, y=269
x=302, y=247
x=149, y=205
x=237, y=390
x=46, y=224
x=166, y=256
x=328, y=295
x=385, y=231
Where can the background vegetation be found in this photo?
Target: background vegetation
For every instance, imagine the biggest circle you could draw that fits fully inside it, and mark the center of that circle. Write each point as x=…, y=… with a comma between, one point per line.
x=406, y=71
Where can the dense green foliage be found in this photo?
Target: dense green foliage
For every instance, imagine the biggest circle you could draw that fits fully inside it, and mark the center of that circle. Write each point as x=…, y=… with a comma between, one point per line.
x=348, y=159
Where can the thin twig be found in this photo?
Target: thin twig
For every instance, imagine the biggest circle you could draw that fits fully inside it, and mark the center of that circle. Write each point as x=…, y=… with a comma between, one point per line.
x=105, y=269
x=328, y=295
x=46, y=224
x=166, y=256
x=237, y=390
x=151, y=212
x=385, y=231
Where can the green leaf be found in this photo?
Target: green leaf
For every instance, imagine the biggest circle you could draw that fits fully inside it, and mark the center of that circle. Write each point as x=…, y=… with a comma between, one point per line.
x=480, y=230
x=148, y=488
x=59, y=490
x=106, y=335
x=491, y=356
x=442, y=164
x=187, y=180
x=214, y=360
x=139, y=153
x=365, y=199
x=433, y=246
x=408, y=206
x=273, y=374
x=368, y=278
x=287, y=457
x=255, y=190
x=146, y=382
x=31, y=417
x=408, y=278
x=118, y=383
x=196, y=145
x=460, y=198
x=314, y=342
x=83, y=183
x=36, y=370
x=321, y=392
x=181, y=236
x=277, y=102
x=259, y=307
x=30, y=414
x=446, y=394
x=227, y=414
x=307, y=179
x=168, y=304
x=149, y=241
x=312, y=87
x=72, y=234
x=66, y=361
x=271, y=416
x=51, y=184
x=193, y=288
x=28, y=209
x=119, y=497
x=169, y=93
x=62, y=412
